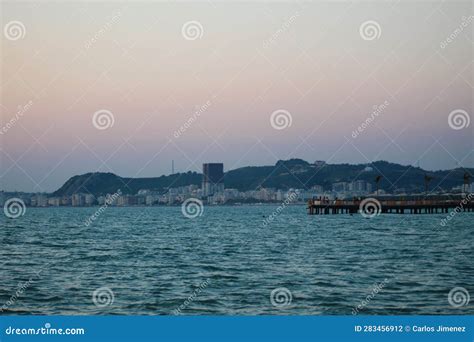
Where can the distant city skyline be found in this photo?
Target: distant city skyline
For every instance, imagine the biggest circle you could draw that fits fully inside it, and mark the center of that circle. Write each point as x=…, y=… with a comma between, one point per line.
x=212, y=177
x=129, y=88
x=203, y=186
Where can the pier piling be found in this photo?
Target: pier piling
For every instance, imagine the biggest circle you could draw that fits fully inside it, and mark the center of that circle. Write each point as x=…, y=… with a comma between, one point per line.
x=390, y=206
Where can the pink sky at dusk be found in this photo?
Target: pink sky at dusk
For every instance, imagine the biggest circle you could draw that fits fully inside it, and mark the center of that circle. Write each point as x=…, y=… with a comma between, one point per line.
x=252, y=59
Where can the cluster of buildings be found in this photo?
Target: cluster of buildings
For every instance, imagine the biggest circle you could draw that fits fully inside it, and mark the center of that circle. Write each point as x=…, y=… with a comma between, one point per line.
x=358, y=187
x=211, y=191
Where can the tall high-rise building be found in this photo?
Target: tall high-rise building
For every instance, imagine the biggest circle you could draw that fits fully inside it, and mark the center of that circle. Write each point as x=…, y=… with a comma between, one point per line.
x=212, y=178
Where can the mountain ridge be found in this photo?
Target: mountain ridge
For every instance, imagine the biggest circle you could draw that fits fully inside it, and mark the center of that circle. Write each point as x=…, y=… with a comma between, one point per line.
x=285, y=174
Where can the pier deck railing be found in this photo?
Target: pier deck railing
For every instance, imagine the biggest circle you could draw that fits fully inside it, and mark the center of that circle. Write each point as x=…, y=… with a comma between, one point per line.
x=414, y=206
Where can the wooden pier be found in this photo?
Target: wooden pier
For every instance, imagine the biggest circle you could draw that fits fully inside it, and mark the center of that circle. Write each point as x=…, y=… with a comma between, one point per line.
x=374, y=206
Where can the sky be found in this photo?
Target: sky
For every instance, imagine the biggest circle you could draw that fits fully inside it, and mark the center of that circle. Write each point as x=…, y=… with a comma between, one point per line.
x=128, y=87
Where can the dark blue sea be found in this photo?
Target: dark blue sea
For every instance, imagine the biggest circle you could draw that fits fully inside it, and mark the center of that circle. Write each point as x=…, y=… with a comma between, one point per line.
x=156, y=261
